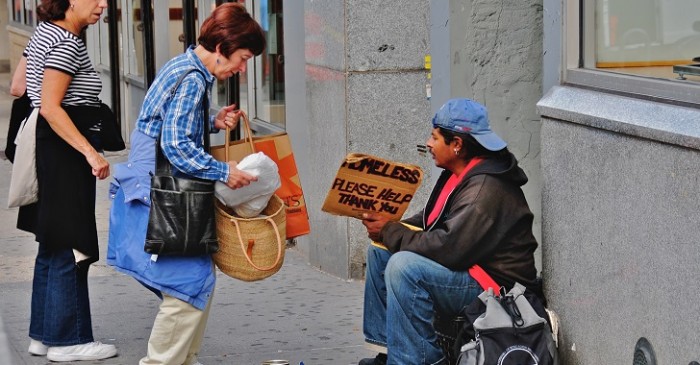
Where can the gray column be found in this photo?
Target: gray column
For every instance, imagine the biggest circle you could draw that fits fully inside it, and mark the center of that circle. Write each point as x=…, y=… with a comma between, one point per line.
x=365, y=81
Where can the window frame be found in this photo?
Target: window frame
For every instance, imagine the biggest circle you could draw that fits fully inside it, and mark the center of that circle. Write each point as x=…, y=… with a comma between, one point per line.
x=23, y=23
x=254, y=79
x=577, y=46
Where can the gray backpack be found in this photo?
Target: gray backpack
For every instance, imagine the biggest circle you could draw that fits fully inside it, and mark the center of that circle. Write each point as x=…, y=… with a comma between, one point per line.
x=510, y=332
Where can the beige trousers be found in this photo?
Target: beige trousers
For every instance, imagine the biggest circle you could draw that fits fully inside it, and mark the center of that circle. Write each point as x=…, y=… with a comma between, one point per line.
x=177, y=333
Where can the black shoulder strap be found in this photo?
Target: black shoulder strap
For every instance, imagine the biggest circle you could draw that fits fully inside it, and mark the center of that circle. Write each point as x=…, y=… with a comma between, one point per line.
x=162, y=164
x=205, y=102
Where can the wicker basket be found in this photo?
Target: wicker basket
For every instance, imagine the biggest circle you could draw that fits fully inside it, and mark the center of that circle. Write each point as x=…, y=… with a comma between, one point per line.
x=251, y=249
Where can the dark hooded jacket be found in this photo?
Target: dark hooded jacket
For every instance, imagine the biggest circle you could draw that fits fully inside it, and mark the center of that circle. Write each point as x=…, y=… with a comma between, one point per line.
x=486, y=221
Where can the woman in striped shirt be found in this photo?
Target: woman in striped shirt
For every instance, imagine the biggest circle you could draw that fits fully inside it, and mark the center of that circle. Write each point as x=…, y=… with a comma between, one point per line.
x=63, y=84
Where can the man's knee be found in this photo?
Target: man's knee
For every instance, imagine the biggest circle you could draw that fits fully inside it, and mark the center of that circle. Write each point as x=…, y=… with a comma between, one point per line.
x=403, y=266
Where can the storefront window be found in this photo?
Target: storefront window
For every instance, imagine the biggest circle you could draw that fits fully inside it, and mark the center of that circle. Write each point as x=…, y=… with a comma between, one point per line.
x=134, y=64
x=260, y=91
x=17, y=11
x=645, y=37
x=23, y=12
x=29, y=11
x=269, y=67
x=646, y=48
x=102, y=30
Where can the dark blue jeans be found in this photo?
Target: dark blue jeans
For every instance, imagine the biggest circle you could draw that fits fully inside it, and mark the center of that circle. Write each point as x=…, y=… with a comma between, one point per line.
x=60, y=303
x=402, y=293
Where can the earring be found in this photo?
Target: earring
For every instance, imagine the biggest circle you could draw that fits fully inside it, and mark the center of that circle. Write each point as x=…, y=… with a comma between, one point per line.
x=72, y=6
x=456, y=152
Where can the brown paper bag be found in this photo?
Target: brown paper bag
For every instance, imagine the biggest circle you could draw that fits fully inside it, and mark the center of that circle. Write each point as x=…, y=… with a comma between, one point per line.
x=279, y=148
x=369, y=184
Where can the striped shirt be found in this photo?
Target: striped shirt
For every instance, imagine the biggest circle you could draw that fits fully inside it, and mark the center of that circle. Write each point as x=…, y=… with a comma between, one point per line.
x=56, y=48
x=180, y=117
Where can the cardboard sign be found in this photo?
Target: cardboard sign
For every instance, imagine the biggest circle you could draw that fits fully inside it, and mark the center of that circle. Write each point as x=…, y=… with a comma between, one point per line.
x=369, y=184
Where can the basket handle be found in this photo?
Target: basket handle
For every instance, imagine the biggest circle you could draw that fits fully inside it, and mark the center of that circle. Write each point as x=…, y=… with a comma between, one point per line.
x=248, y=136
x=245, y=253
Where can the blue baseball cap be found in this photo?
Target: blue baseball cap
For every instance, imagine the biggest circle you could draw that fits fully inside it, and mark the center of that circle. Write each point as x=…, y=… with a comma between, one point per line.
x=468, y=117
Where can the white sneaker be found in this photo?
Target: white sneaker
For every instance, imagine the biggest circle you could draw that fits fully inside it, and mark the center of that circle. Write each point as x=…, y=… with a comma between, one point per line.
x=37, y=348
x=87, y=351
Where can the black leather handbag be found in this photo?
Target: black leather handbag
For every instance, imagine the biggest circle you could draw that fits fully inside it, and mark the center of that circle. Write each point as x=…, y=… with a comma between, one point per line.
x=182, y=218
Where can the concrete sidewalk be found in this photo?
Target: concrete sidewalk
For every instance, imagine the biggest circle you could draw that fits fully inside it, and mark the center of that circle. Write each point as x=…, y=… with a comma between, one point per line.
x=299, y=314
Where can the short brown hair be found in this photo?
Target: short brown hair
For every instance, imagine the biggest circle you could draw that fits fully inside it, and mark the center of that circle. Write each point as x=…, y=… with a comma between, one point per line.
x=52, y=10
x=231, y=28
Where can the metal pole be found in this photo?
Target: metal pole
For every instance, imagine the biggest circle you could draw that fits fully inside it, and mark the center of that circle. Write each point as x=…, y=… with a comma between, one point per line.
x=112, y=20
x=148, y=42
x=189, y=16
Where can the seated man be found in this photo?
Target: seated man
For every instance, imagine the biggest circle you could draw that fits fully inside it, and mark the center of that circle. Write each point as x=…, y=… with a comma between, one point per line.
x=476, y=215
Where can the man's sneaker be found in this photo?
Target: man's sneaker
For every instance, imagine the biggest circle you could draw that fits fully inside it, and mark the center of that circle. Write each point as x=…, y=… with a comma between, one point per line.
x=380, y=359
x=87, y=351
x=37, y=348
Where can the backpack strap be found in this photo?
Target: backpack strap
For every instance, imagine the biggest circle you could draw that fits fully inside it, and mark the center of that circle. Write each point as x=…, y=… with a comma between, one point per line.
x=484, y=279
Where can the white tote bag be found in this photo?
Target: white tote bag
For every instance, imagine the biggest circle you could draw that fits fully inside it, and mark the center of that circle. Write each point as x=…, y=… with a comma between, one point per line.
x=24, y=188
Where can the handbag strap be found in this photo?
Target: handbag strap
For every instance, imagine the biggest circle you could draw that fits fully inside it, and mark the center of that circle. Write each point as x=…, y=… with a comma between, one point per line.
x=248, y=138
x=163, y=166
x=248, y=253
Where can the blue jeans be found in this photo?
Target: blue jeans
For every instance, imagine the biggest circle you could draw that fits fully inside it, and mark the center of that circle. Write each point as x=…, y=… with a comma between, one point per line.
x=402, y=293
x=60, y=303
